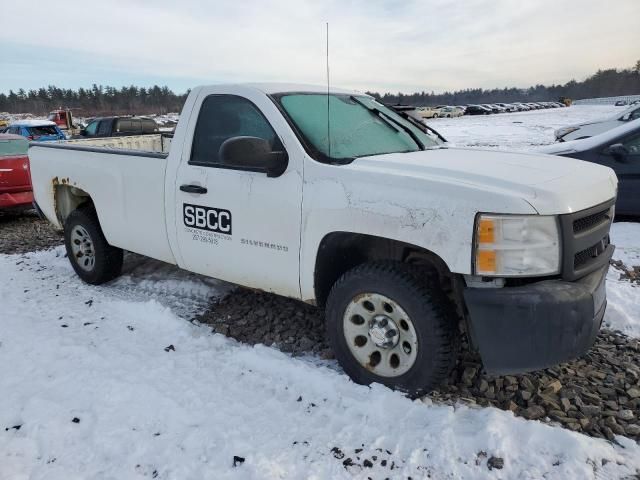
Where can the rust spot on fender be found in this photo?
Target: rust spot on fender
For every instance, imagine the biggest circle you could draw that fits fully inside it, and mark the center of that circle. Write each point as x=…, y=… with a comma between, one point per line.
x=54, y=183
x=57, y=181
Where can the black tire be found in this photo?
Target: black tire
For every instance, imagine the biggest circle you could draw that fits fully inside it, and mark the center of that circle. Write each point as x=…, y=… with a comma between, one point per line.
x=107, y=263
x=422, y=299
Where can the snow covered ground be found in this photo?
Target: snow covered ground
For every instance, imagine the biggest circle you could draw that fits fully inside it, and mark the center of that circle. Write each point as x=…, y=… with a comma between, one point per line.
x=623, y=310
x=114, y=382
x=158, y=397
x=517, y=131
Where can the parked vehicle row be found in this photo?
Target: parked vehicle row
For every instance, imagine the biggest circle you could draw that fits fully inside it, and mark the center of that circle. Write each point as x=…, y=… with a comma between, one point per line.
x=447, y=111
x=489, y=108
x=59, y=122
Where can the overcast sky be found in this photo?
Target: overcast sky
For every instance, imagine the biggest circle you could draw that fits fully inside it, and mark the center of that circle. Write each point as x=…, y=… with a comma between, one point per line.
x=382, y=45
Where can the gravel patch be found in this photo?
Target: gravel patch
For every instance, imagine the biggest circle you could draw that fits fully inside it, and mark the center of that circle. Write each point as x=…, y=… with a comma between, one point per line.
x=598, y=394
x=632, y=274
x=25, y=232
x=255, y=317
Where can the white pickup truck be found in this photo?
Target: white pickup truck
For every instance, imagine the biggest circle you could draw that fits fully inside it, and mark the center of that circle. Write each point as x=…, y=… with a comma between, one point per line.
x=338, y=201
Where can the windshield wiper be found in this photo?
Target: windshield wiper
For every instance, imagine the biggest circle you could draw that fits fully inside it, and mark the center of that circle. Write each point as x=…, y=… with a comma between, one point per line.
x=422, y=126
x=388, y=118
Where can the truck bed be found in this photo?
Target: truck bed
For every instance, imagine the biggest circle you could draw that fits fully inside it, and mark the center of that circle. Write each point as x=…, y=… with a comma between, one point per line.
x=126, y=179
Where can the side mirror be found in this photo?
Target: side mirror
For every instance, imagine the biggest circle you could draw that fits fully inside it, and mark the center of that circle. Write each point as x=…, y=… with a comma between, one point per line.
x=83, y=132
x=253, y=153
x=626, y=118
x=618, y=151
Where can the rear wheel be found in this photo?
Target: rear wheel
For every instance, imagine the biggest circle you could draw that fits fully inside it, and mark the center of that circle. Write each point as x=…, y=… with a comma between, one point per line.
x=388, y=326
x=91, y=256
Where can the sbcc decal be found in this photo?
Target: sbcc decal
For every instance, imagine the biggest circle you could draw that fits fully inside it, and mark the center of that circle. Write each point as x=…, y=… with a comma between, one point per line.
x=207, y=218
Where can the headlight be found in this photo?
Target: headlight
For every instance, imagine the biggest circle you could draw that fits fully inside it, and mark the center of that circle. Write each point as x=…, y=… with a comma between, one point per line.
x=561, y=132
x=516, y=245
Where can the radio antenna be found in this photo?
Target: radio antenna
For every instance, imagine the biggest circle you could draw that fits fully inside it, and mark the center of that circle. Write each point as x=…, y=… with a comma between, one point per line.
x=328, y=112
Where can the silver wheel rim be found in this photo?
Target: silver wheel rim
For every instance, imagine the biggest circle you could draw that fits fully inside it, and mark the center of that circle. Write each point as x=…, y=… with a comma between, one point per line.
x=380, y=335
x=82, y=248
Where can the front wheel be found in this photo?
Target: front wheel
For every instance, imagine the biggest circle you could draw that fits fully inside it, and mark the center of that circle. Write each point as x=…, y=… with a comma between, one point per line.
x=389, y=326
x=91, y=256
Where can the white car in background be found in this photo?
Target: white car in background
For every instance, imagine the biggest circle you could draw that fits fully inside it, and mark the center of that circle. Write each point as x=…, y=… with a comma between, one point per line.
x=428, y=112
x=589, y=129
x=450, y=112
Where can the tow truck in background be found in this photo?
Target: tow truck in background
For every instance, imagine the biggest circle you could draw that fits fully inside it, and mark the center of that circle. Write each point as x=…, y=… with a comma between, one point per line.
x=63, y=118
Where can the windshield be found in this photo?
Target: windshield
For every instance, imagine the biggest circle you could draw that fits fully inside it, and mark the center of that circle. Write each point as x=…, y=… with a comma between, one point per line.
x=43, y=130
x=358, y=127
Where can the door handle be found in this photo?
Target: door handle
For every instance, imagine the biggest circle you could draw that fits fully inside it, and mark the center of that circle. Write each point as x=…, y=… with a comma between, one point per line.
x=193, y=189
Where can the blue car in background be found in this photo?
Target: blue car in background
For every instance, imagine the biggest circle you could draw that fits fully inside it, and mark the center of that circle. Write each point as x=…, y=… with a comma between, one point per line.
x=36, y=130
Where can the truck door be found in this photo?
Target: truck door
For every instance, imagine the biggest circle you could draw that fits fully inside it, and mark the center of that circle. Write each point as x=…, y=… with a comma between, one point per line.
x=233, y=224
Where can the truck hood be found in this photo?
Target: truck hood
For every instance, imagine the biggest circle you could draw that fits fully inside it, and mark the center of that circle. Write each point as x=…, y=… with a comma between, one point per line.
x=551, y=185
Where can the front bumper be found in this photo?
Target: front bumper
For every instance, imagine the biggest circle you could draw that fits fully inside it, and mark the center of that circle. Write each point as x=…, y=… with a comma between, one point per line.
x=17, y=199
x=520, y=329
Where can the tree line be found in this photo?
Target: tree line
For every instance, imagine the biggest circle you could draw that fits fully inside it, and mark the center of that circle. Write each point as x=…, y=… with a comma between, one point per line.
x=94, y=101
x=603, y=83
x=106, y=100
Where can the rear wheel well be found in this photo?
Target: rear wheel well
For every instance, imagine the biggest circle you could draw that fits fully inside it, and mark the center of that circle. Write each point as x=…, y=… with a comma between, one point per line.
x=68, y=198
x=339, y=252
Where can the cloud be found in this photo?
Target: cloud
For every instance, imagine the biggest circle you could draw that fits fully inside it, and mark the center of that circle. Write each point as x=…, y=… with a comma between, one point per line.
x=383, y=45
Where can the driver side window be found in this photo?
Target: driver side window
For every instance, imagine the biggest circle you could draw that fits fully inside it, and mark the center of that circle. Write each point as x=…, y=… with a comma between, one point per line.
x=223, y=117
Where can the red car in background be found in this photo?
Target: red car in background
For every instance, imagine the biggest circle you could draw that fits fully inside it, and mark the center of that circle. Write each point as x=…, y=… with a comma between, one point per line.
x=15, y=178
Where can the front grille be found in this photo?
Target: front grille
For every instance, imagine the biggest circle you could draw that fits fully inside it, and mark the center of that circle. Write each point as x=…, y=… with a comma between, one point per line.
x=583, y=257
x=590, y=221
x=585, y=240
